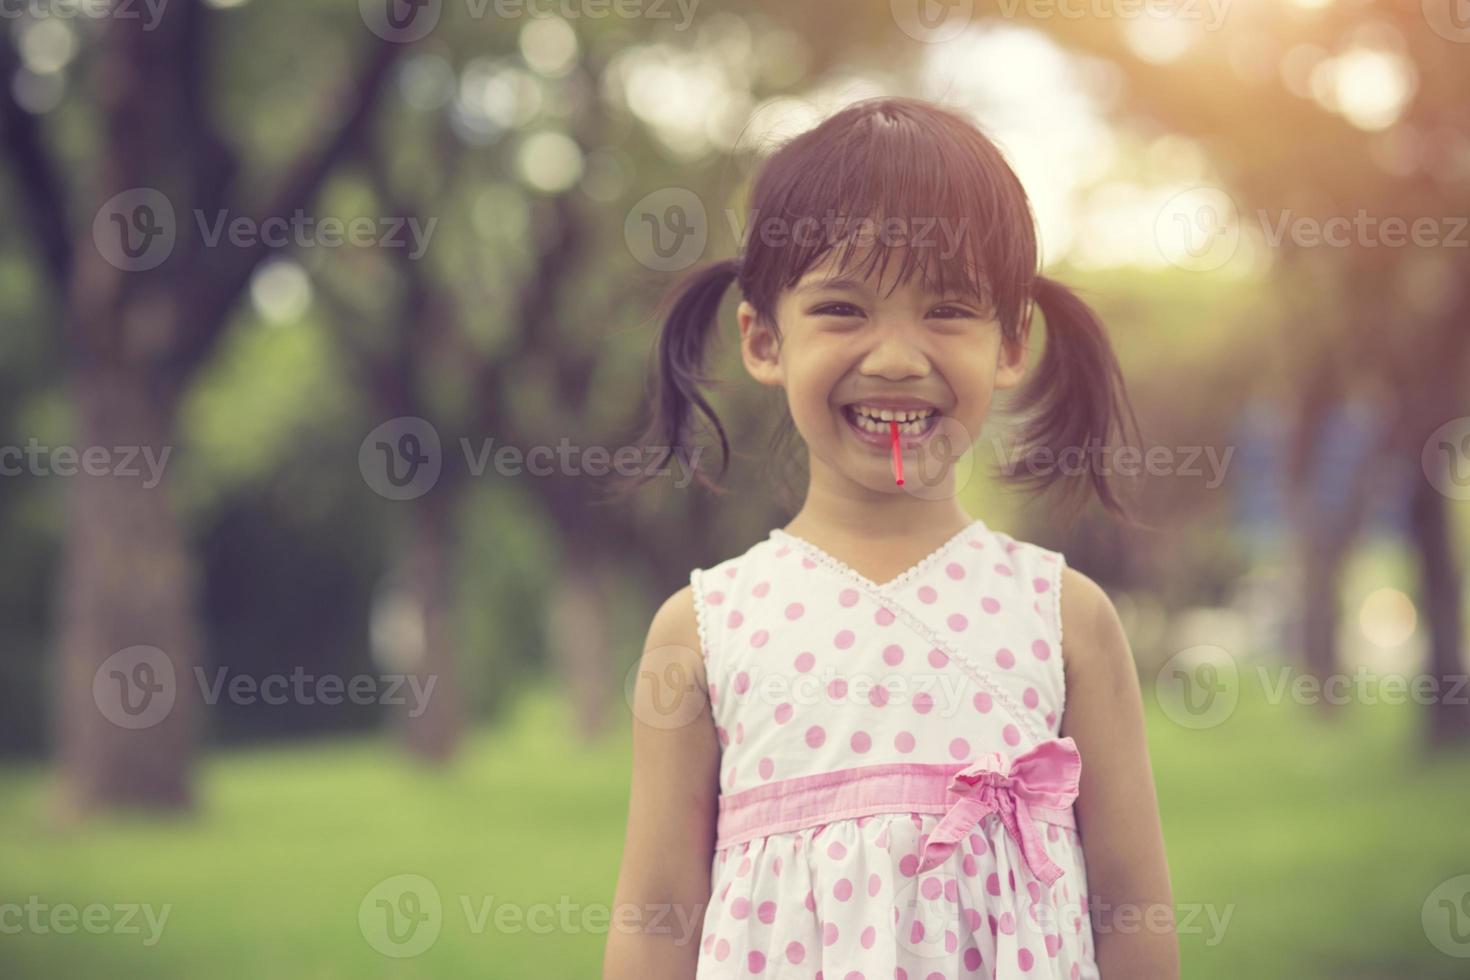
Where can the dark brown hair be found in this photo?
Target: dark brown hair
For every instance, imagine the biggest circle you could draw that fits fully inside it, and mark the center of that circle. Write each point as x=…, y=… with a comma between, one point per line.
x=921, y=162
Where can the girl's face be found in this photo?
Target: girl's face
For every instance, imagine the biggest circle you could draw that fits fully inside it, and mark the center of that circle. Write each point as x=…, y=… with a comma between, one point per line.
x=850, y=343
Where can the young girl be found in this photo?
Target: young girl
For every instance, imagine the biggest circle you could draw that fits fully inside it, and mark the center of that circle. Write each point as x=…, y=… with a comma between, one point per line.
x=888, y=762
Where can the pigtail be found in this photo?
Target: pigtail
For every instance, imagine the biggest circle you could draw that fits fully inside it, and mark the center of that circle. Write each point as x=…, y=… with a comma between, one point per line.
x=689, y=309
x=1075, y=404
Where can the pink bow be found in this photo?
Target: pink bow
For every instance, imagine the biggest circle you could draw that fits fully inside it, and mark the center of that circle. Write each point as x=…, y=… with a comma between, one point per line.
x=1045, y=776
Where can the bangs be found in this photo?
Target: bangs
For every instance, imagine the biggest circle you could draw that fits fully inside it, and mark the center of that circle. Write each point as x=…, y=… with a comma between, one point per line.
x=880, y=190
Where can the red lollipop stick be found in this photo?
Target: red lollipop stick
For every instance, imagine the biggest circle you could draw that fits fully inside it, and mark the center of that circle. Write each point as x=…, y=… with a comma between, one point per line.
x=897, y=455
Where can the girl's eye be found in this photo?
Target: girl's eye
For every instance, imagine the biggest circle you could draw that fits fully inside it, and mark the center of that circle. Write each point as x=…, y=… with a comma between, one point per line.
x=836, y=309
x=955, y=311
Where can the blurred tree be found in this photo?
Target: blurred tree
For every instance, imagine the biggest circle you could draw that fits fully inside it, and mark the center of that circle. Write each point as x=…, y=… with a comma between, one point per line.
x=136, y=336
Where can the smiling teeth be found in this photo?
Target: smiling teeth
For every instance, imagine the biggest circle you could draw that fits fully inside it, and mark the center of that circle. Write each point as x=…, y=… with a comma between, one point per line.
x=889, y=415
x=910, y=423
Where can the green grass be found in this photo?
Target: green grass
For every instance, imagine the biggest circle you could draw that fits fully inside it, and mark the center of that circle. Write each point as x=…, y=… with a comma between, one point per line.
x=1320, y=839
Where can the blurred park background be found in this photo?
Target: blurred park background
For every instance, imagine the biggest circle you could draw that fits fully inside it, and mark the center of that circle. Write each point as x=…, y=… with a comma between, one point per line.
x=309, y=669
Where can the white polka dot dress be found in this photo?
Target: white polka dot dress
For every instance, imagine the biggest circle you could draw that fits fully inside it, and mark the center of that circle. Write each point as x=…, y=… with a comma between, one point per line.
x=895, y=799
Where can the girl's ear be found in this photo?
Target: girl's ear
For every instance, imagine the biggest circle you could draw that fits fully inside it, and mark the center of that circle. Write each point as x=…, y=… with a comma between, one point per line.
x=760, y=348
x=1011, y=363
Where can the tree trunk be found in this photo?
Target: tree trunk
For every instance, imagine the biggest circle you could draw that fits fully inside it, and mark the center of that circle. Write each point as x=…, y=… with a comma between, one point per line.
x=1440, y=593
x=578, y=632
x=128, y=580
x=1320, y=565
x=433, y=729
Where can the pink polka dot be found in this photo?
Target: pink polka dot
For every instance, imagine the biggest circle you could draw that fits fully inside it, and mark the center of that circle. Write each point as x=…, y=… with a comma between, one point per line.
x=893, y=655
x=1053, y=945
x=808, y=563
x=836, y=850
x=1008, y=923
x=829, y=933
x=843, y=639
x=938, y=658
x=815, y=736
x=908, y=865
x=756, y=960
x=916, y=934
x=1025, y=958
x=842, y=891
x=742, y=682
x=923, y=703
x=1042, y=649
x=1011, y=735
x=931, y=888
x=1004, y=569
x=904, y=741
x=761, y=589
x=795, y=610
x=848, y=597
x=715, y=598
x=759, y=638
x=766, y=912
x=740, y=908
x=955, y=570
x=884, y=617
x=875, y=884
x=722, y=949
x=767, y=767
x=1031, y=698
x=983, y=702
x=837, y=689
x=972, y=959
x=804, y=662
x=957, y=622
x=990, y=605
x=795, y=952
x=869, y=937
x=927, y=595
x=861, y=742
x=734, y=619
x=1005, y=658
x=878, y=696
x=992, y=883
x=959, y=748
x=1040, y=584
x=783, y=713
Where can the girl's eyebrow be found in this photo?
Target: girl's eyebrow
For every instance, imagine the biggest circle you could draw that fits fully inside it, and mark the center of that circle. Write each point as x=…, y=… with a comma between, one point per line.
x=854, y=286
x=849, y=285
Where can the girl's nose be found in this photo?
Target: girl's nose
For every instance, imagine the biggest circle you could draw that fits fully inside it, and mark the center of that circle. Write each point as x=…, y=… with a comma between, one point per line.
x=895, y=355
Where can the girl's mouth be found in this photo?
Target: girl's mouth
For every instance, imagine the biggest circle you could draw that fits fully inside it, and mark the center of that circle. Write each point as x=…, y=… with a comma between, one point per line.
x=870, y=427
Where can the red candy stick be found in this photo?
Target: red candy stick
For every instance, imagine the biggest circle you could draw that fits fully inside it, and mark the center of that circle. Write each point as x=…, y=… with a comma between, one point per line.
x=897, y=455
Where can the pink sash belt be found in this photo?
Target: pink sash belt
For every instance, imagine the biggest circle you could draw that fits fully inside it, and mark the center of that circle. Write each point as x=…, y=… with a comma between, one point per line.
x=1037, y=785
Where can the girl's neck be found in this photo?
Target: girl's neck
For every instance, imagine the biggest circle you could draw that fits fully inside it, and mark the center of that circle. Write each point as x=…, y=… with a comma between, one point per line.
x=824, y=517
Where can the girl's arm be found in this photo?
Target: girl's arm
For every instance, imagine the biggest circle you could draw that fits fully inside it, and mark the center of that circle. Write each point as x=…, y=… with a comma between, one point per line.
x=1131, y=904
x=664, y=885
